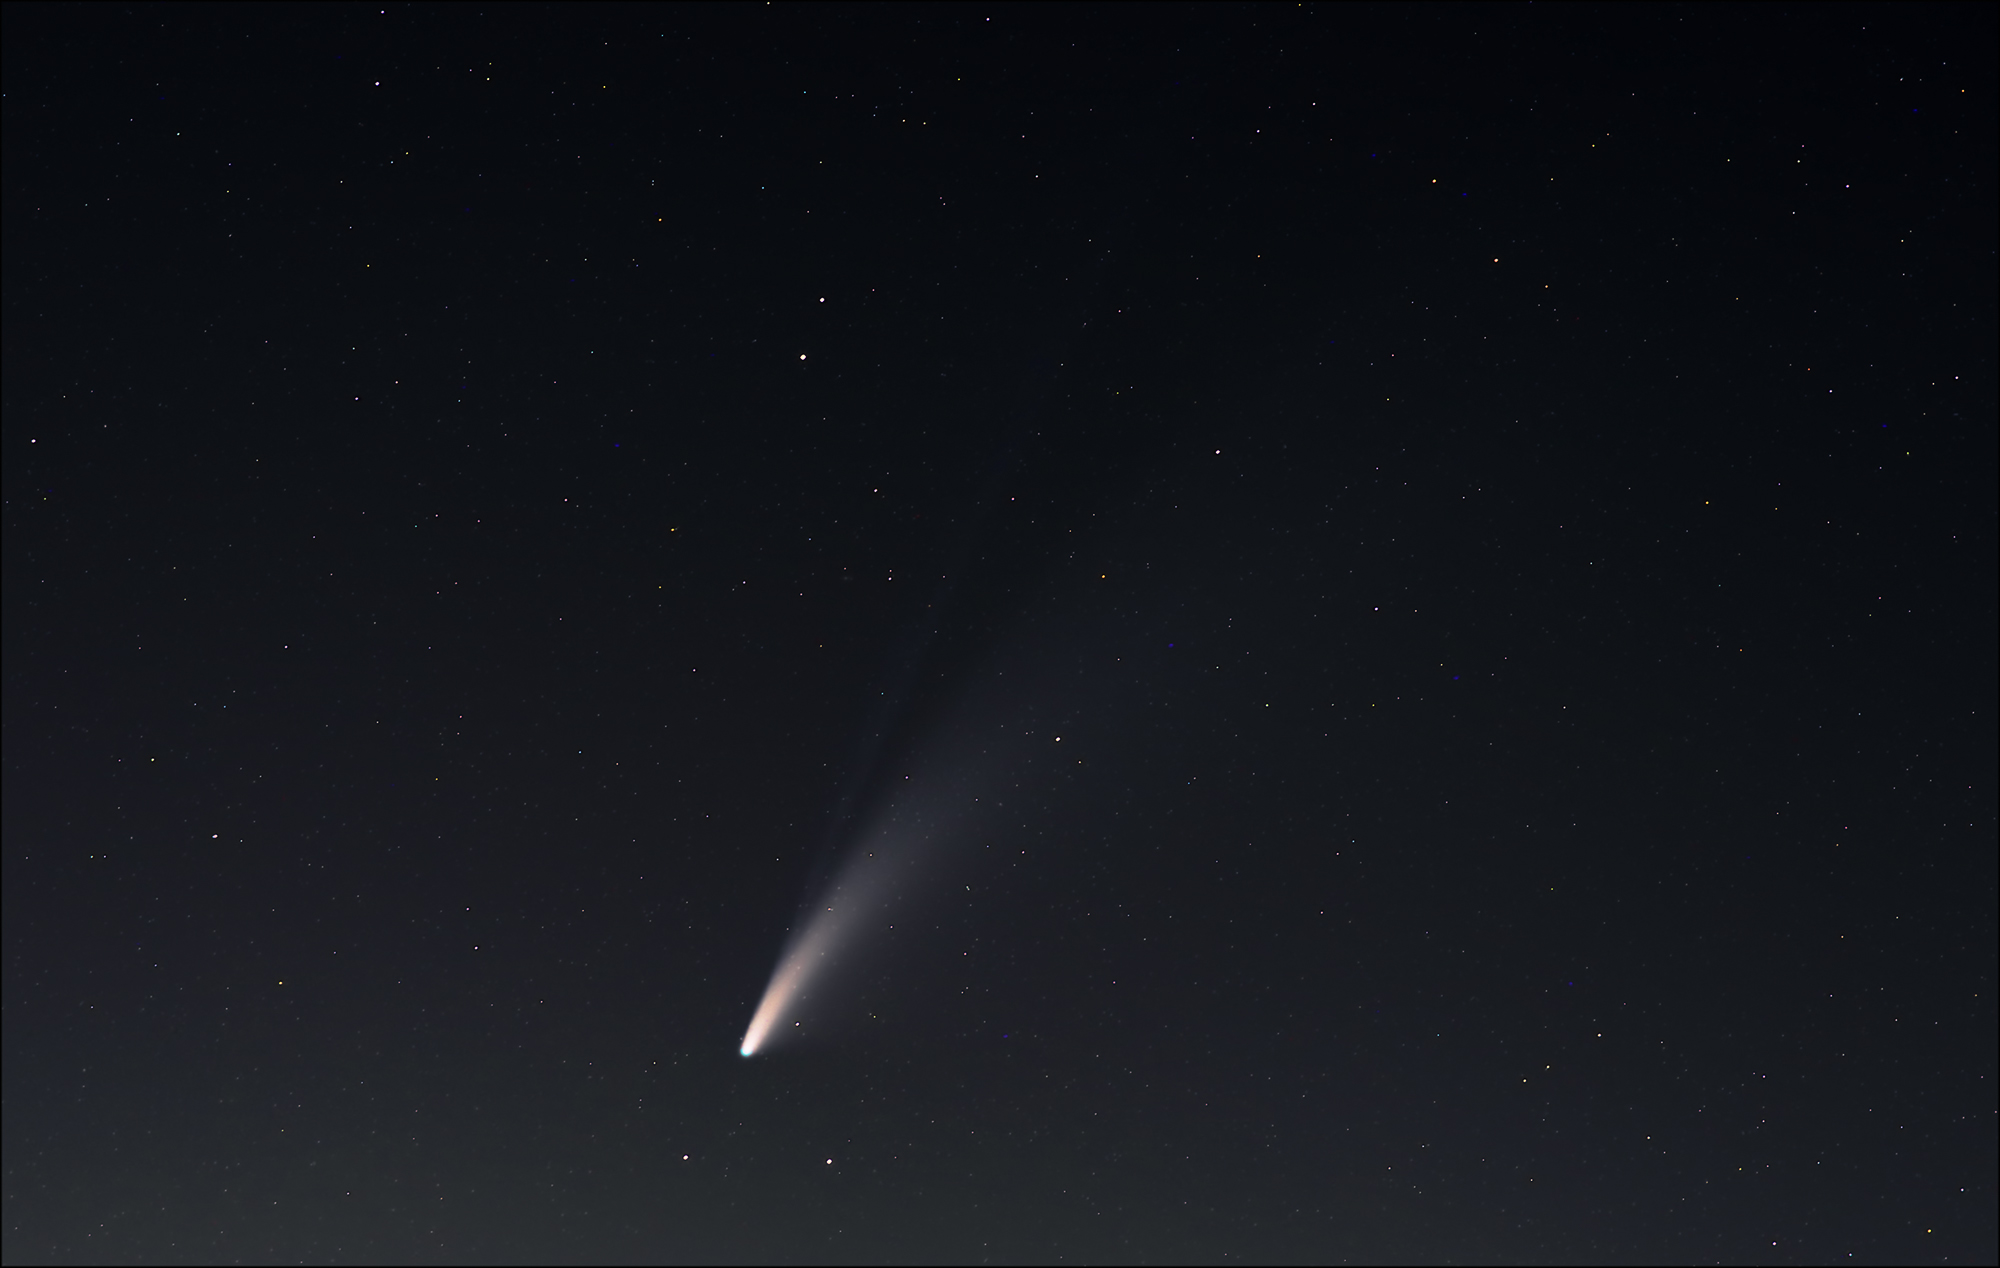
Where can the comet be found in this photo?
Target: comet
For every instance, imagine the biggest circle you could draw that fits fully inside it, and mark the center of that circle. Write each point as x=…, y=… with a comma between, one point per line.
x=872, y=879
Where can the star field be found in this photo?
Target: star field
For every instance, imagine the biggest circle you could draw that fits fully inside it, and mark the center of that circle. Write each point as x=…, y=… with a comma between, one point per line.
x=1390, y=609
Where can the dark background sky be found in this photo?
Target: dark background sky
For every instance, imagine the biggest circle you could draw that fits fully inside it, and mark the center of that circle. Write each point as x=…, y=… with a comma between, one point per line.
x=1499, y=503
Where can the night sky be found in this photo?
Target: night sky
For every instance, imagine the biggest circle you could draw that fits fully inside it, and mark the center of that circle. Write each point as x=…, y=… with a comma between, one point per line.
x=1402, y=599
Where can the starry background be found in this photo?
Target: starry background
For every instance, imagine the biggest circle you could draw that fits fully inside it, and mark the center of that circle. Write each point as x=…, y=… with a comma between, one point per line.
x=1498, y=505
